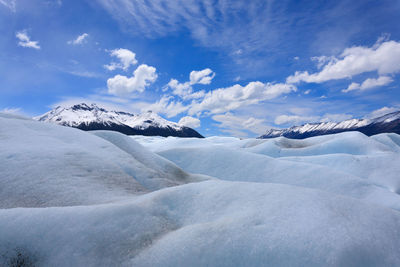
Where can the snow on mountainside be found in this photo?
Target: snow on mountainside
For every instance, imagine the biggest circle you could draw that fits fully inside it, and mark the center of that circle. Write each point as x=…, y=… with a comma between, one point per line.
x=384, y=124
x=91, y=117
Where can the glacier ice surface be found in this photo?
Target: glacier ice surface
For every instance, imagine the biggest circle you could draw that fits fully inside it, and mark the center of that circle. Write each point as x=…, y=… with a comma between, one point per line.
x=74, y=198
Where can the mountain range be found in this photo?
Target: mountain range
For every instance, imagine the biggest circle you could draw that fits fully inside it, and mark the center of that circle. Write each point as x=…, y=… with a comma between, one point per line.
x=91, y=117
x=389, y=123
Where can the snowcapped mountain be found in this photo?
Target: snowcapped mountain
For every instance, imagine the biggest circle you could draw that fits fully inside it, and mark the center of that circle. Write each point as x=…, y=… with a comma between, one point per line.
x=389, y=123
x=91, y=117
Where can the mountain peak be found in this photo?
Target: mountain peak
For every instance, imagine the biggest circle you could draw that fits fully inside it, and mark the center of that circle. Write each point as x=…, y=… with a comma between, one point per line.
x=387, y=123
x=92, y=117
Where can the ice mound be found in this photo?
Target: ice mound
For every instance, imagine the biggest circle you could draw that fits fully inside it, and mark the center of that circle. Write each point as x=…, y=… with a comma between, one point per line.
x=392, y=140
x=44, y=165
x=354, y=143
x=210, y=223
x=240, y=165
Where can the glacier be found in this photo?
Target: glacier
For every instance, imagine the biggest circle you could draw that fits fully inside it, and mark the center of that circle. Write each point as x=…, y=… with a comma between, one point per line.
x=101, y=198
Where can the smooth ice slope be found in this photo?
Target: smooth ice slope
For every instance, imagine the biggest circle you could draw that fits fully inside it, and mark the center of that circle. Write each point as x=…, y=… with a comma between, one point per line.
x=49, y=165
x=209, y=224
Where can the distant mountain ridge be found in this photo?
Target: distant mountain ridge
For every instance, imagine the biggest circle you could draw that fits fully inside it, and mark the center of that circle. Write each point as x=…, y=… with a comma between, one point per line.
x=389, y=123
x=91, y=117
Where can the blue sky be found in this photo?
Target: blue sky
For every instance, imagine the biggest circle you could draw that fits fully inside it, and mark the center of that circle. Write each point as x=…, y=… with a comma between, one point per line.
x=224, y=67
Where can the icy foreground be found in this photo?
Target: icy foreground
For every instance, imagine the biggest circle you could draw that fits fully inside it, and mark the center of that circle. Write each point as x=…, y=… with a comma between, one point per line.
x=73, y=198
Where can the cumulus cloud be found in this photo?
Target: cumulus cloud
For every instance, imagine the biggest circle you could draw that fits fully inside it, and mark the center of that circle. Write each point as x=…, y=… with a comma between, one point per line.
x=236, y=124
x=167, y=107
x=226, y=99
x=201, y=77
x=382, y=111
x=79, y=40
x=369, y=83
x=25, y=40
x=185, y=90
x=189, y=122
x=126, y=59
x=383, y=57
x=142, y=77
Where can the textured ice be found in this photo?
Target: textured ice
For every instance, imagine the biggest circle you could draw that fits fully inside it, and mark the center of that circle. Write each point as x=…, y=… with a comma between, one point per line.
x=209, y=224
x=74, y=198
x=49, y=165
x=374, y=179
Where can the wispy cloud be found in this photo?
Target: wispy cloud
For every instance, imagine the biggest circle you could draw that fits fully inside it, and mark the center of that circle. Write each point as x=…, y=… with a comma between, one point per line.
x=382, y=111
x=294, y=119
x=239, y=26
x=11, y=4
x=369, y=84
x=11, y=110
x=79, y=40
x=299, y=119
x=238, y=124
x=25, y=40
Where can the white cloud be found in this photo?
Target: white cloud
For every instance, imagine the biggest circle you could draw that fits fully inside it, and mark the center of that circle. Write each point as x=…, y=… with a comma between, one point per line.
x=335, y=117
x=294, y=119
x=300, y=119
x=142, y=77
x=322, y=60
x=230, y=98
x=185, y=90
x=189, y=122
x=380, y=112
x=236, y=124
x=213, y=24
x=307, y=91
x=351, y=87
x=79, y=40
x=238, y=52
x=87, y=74
x=25, y=40
x=383, y=58
x=369, y=83
x=11, y=4
x=166, y=106
x=126, y=59
x=11, y=110
x=202, y=76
